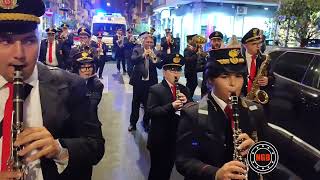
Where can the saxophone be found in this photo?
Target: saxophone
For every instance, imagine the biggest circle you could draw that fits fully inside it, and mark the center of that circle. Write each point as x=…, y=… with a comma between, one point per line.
x=15, y=162
x=236, y=130
x=256, y=93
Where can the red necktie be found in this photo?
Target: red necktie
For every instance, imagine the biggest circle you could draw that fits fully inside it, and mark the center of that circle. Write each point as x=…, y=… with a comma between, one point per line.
x=228, y=112
x=252, y=73
x=6, y=129
x=50, y=52
x=174, y=91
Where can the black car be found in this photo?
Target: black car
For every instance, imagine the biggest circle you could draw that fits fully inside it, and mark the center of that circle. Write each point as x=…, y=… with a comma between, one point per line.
x=294, y=109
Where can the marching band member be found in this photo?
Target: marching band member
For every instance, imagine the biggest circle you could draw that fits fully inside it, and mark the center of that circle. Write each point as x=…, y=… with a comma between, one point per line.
x=50, y=50
x=216, y=42
x=145, y=61
x=118, y=44
x=61, y=140
x=102, y=51
x=164, y=102
x=129, y=43
x=205, y=143
x=190, y=70
x=168, y=44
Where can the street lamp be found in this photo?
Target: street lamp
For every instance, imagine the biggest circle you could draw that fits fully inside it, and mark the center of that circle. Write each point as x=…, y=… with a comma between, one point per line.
x=108, y=4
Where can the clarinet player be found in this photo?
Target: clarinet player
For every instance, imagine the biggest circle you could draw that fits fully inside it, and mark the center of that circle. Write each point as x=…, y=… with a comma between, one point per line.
x=205, y=144
x=164, y=102
x=60, y=140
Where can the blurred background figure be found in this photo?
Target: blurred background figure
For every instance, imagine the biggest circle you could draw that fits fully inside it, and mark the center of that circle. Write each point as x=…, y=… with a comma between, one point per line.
x=50, y=50
x=234, y=43
x=118, y=42
x=129, y=43
x=102, y=51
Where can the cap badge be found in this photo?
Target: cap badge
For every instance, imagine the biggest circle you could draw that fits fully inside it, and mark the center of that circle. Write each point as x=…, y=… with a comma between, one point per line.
x=233, y=54
x=84, y=54
x=255, y=32
x=8, y=4
x=176, y=59
x=216, y=34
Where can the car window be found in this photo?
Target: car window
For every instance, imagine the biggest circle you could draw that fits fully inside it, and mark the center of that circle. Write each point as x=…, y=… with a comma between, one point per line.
x=293, y=65
x=274, y=55
x=313, y=74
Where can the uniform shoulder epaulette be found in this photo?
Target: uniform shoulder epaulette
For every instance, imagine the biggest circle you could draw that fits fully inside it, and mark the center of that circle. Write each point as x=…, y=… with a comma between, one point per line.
x=189, y=104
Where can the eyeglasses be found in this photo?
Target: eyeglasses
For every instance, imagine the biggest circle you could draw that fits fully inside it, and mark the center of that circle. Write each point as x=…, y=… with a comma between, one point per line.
x=86, y=68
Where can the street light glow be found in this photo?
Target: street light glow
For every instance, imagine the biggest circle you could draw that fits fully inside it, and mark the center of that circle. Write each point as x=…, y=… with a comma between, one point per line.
x=108, y=4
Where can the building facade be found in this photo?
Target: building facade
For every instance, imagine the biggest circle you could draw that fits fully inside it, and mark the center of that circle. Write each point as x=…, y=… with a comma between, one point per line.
x=230, y=17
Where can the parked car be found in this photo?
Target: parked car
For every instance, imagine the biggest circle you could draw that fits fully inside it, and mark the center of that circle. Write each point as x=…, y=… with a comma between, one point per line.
x=314, y=43
x=294, y=109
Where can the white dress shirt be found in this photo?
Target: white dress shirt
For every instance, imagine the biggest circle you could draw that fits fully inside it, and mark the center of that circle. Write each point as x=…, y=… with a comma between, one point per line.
x=54, y=57
x=219, y=101
x=249, y=60
x=32, y=117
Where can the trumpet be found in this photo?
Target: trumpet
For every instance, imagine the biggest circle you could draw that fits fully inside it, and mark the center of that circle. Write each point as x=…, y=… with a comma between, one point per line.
x=15, y=162
x=151, y=56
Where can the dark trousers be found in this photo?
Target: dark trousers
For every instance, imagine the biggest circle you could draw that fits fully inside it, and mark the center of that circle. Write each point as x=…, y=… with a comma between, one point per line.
x=123, y=62
x=140, y=96
x=129, y=66
x=100, y=65
x=162, y=161
x=192, y=81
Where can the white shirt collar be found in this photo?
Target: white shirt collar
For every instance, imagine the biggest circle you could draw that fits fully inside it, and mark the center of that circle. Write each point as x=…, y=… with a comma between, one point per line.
x=219, y=101
x=248, y=55
x=32, y=80
x=170, y=85
x=2, y=81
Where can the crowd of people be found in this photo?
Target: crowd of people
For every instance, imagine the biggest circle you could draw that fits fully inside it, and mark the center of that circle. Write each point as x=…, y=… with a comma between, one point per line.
x=62, y=135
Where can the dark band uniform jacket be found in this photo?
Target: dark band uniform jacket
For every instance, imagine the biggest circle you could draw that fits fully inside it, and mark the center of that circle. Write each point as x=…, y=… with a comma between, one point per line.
x=138, y=68
x=93, y=84
x=190, y=69
x=164, y=123
x=67, y=43
x=172, y=45
x=205, y=139
x=63, y=100
x=58, y=51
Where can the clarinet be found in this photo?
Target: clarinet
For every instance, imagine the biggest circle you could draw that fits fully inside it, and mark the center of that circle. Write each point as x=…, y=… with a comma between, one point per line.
x=177, y=87
x=236, y=130
x=14, y=162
